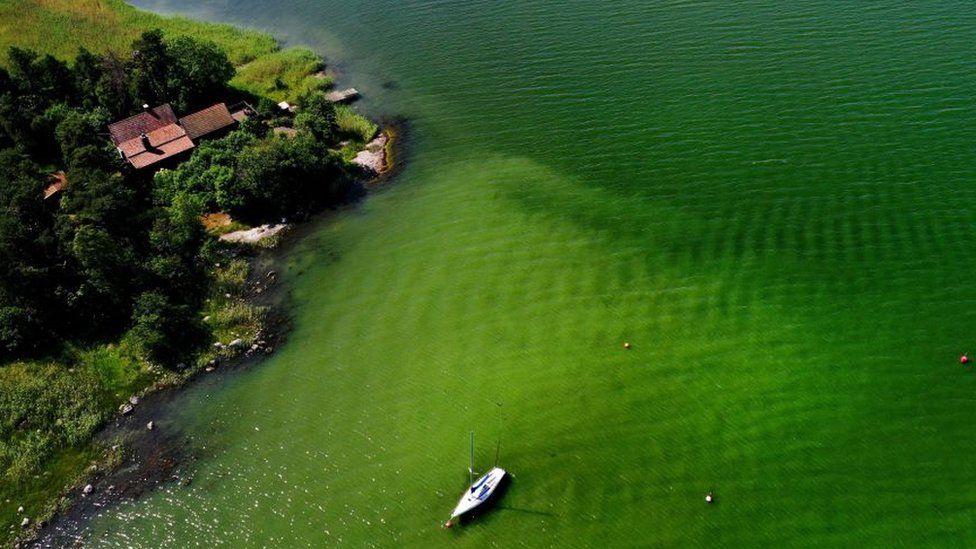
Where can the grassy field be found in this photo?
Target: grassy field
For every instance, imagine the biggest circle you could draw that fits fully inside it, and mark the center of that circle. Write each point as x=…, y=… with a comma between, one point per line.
x=60, y=27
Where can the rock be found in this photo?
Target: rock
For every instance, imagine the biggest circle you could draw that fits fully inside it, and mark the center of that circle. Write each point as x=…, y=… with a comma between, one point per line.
x=25, y=523
x=126, y=409
x=208, y=369
x=87, y=489
x=236, y=343
x=255, y=347
x=271, y=274
x=269, y=350
x=20, y=510
x=373, y=157
x=250, y=236
x=151, y=425
x=133, y=400
x=218, y=345
x=213, y=362
x=227, y=296
x=206, y=318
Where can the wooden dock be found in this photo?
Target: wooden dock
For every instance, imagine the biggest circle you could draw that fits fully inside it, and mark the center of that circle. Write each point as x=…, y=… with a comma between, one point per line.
x=342, y=96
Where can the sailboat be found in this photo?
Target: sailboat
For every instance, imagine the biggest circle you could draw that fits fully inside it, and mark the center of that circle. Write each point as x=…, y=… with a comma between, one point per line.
x=480, y=491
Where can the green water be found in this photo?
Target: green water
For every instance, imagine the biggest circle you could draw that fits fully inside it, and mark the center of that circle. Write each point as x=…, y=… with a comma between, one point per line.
x=772, y=201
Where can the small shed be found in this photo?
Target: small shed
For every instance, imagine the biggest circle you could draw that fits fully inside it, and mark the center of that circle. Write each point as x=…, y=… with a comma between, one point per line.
x=59, y=182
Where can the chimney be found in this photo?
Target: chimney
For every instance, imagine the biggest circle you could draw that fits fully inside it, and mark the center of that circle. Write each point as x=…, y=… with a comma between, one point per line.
x=145, y=142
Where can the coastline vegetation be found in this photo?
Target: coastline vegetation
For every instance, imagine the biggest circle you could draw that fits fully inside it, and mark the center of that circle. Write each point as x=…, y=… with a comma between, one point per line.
x=116, y=285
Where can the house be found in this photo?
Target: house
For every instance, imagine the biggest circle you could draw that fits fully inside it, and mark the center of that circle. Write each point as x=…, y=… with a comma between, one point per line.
x=155, y=135
x=147, y=121
x=150, y=137
x=208, y=122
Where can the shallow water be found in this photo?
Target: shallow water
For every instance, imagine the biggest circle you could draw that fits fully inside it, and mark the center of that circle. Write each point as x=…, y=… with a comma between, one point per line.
x=773, y=202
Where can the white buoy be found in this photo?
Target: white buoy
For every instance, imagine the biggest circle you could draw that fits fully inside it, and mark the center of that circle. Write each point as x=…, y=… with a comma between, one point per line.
x=708, y=498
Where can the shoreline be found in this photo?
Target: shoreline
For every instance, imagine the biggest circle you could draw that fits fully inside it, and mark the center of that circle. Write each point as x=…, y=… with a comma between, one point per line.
x=132, y=458
x=136, y=460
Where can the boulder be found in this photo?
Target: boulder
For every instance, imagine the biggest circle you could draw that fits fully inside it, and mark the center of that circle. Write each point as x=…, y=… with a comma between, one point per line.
x=87, y=489
x=25, y=523
x=151, y=425
x=236, y=343
x=126, y=409
x=133, y=400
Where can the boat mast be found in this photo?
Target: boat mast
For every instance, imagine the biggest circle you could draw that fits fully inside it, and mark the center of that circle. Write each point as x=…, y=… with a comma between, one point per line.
x=471, y=461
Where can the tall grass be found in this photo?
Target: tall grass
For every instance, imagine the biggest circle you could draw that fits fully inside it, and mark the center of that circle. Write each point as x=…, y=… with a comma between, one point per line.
x=283, y=75
x=354, y=125
x=60, y=27
x=48, y=412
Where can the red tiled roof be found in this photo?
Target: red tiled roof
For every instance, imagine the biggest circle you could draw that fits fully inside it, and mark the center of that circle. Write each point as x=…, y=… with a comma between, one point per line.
x=58, y=183
x=144, y=122
x=209, y=120
x=163, y=143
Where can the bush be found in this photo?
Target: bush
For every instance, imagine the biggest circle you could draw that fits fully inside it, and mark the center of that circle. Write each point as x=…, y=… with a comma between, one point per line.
x=164, y=331
x=284, y=177
x=317, y=118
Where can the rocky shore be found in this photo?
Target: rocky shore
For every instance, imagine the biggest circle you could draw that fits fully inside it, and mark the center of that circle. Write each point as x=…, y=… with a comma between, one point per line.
x=141, y=451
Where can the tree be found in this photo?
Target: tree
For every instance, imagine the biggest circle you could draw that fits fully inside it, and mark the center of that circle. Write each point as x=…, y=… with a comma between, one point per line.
x=28, y=255
x=317, y=117
x=107, y=267
x=165, y=331
x=209, y=169
x=199, y=73
x=41, y=80
x=151, y=63
x=87, y=73
x=18, y=330
x=79, y=129
x=283, y=177
x=101, y=233
x=97, y=197
x=174, y=261
x=113, y=90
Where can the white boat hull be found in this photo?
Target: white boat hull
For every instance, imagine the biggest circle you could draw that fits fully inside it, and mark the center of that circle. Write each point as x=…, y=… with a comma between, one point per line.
x=479, y=492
